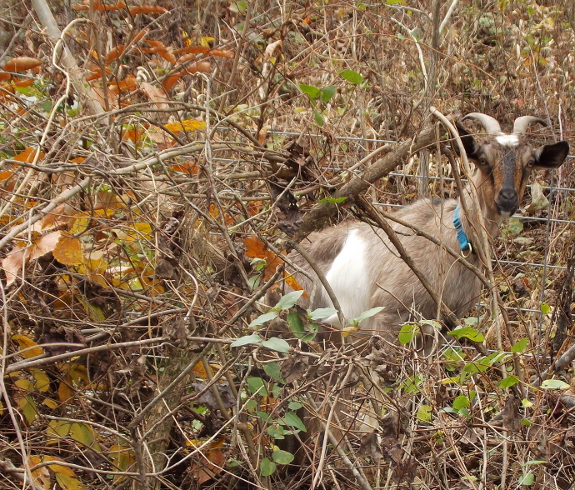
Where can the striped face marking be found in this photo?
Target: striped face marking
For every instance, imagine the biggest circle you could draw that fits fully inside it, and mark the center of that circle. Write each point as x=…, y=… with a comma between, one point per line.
x=508, y=140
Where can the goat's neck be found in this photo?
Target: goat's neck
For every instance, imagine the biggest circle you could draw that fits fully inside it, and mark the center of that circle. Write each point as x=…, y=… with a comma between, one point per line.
x=492, y=219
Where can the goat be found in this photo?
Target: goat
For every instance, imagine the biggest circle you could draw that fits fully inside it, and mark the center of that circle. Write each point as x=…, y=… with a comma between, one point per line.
x=364, y=269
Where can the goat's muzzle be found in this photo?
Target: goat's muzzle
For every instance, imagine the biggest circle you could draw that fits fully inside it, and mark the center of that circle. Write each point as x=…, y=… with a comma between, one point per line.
x=507, y=201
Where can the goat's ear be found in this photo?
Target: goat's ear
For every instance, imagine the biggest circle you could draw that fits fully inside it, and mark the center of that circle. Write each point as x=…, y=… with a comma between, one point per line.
x=552, y=156
x=469, y=143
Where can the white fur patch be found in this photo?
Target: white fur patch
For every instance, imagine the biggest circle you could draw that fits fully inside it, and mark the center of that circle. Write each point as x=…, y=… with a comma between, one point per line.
x=348, y=276
x=508, y=140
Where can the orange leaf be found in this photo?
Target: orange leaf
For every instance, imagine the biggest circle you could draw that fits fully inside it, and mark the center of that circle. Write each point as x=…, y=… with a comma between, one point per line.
x=5, y=76
x=147, y=9
x=129, y=83
x=171, y=80
x=292, y=283
x=187, y=167
x=255, y=248
x=159, y=47
x=27, y=156
x=224, y=53
x=22, y=82
x=114, y=54
x=21, y=63
x=68, y=251
x=199, y=66
x=192, y=49
x=140, y=35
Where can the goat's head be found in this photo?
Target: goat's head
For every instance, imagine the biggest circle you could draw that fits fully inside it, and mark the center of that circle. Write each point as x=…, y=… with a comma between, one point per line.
x=505, y=161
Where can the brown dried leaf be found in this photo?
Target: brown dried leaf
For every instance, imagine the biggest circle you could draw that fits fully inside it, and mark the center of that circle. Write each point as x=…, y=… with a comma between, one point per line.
x=44, y=244
x=21, y=63
x=68, y=251
x=155, y=94
x=13, y=264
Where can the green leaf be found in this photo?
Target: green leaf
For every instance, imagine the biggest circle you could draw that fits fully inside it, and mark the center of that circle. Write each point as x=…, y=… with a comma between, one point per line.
x=368, y=314
x=318, y=118
x=257, y=385
x=327, y=93
x=321, y=313
x=288, y=300
x=276, y=432
x=520, y=346
x=508, y=382
x=311, y=91
x=424, y=413
x=292, y=420
x=351, y=76
x=246, y=340
x=467, y=332
x=282, y=457
x=266, y=317
x=460, y=402
x=332, y=200
x=273, y=370
x=534, y=461
x=545, y=308
x=298, y=329
x=408, y=333
x=526, y=479
x=554, y=384
x=267, y=467
x=294, y=405
x=279, y=345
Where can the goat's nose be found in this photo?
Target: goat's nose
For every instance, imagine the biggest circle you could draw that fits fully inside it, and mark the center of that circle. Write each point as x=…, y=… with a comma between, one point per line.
x=509, y=195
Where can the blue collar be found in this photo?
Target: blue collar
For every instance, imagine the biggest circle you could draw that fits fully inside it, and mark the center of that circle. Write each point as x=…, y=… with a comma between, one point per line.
x=464, y=244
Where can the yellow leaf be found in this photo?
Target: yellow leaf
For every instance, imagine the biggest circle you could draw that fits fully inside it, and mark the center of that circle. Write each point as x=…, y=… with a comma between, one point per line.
x=187, y=125
x=84, y=434
x=27, y=407
x=41, y=475
x=347, y=331
x=65, y=392
x=26, y=343
x=57, y=430
x=24, y=385
x=68, y=251
x=53, y=404
x=68, y=482
x=81, y=223
x=1, y=408
x=42, y=380
x=122, y=457
x=205, y=41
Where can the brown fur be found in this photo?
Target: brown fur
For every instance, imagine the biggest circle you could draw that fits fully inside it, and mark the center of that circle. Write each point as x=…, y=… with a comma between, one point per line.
x=500, y=179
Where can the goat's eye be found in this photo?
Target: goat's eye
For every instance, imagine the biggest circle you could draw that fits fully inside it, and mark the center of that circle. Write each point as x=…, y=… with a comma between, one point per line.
x=531, y=163
x=482, y=161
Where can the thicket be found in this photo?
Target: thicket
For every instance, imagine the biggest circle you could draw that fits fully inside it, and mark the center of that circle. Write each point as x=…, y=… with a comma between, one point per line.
x=159, y=160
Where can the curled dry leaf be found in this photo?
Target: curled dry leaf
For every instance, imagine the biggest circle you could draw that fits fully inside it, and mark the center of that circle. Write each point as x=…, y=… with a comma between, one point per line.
x=22, y=63
x=114, y=54
x=147, y=9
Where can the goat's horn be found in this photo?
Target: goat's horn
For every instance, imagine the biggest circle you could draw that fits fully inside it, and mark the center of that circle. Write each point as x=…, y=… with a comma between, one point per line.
x=522, y=123
x=489, y=123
